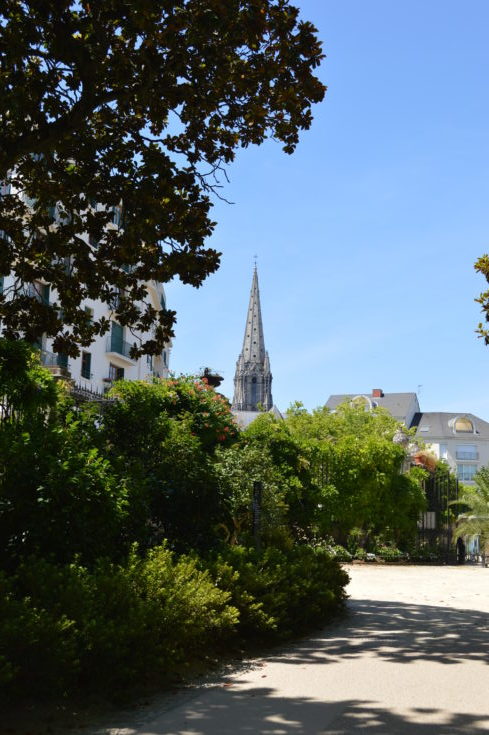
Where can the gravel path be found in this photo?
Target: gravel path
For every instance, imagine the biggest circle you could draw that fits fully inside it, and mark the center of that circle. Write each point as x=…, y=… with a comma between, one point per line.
x=411, y=657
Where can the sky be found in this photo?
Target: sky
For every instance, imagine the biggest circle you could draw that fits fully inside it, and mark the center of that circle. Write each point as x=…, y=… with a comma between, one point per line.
x=366, y=236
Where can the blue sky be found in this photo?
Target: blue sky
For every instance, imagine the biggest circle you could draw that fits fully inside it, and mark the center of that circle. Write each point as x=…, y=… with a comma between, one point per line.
x=367, y=235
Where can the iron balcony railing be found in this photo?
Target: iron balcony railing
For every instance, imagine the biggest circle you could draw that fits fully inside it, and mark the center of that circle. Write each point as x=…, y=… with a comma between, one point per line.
x=119, y=346
x=467, y=455
x=54, y=359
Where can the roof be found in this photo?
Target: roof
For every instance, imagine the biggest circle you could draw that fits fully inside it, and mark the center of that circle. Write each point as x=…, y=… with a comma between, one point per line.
x=244, y=418
x=399, y=405
x=254, y=340
x=437, y=426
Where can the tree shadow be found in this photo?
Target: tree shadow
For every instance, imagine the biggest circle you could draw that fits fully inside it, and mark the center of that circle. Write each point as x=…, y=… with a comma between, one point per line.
x=259, y=711
x=390, y=631
x=398, y=632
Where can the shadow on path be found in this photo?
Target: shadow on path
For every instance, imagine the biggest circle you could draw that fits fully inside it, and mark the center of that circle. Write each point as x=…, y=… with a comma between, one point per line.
x=390, y=631
x=260, y=711
x=398, y=632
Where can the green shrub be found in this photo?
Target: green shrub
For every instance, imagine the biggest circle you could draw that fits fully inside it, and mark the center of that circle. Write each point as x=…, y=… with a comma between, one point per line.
x=280, y=592
x=390, y=554
x=427, y=554
x=65, y=626
x=340, y=553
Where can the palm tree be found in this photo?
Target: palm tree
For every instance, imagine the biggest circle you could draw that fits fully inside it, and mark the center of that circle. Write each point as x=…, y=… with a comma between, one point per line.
x=474, y=506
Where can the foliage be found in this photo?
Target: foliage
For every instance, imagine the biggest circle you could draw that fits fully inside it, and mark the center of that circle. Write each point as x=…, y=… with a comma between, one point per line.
x=473, y=503
x=428, y=553
x=58, y=495
x=357, y=470
x=26, y=388
x=292, y=464
x=390, y=554
x=82, y=608
x=186, y=398
x=167, y=456
x=135, y=107
x=482, y=266
x=279, y=591
x=340, y=553
x=237, y=468
x=66, y=626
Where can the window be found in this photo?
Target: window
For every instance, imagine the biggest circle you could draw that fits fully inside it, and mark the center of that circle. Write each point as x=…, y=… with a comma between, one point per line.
x=117, y=216
x=115, y=372
x=86, y=365
x=115, y=301
x=89, y=313
x=443, y=451
x=163, y=302
x=149, y=361
x=466, y=451
x=361, y=402
x=164, y=357
x=466, y=472
x=463, y=425
x=1, y=283
x=117, y=338
x=39, y=291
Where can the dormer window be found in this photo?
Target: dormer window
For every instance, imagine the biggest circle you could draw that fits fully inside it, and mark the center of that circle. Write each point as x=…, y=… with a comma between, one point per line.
x=361, y=402
x=463, y=425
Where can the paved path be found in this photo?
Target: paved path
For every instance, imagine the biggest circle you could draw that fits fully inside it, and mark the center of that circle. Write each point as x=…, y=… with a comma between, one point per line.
x=410, y=658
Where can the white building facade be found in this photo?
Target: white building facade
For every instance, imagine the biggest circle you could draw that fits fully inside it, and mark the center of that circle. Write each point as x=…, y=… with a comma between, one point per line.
x=108, y=357
x=461, y=440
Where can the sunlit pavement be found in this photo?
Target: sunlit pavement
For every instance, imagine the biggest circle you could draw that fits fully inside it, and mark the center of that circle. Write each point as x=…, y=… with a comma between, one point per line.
x=410, y=657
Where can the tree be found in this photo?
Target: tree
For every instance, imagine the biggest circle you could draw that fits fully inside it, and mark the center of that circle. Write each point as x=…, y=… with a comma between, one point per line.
x=482, y=266
x=358, y=471
x=474, y=504
x=167, y=457
x=128, y=112
x=59, y=496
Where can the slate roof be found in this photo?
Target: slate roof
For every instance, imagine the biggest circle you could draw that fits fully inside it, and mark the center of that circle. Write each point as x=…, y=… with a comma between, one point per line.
x=398, y=405
x=438, y=426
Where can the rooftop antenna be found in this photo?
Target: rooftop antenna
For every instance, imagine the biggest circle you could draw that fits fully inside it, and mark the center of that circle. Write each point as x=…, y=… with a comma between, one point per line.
x=418, y=390
x=255, y=258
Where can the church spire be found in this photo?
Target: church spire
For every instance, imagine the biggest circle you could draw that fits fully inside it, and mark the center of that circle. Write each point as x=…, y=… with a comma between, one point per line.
x=253, y=379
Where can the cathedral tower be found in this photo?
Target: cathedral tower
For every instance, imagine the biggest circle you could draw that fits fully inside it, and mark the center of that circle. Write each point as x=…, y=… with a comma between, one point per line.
x=253, y=379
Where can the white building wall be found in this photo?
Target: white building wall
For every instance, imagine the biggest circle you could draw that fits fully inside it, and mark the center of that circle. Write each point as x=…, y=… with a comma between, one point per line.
x=104, y=360
x=458, y=451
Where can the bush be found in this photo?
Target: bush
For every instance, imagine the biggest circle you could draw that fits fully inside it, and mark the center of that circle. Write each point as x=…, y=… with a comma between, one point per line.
x=340, y=553
x=280, y=592
x=65, y=626
x=390, y=554
x=430, y=554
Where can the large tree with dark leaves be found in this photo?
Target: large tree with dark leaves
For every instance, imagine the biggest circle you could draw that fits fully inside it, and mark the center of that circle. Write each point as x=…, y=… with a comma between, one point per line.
x=134, y=108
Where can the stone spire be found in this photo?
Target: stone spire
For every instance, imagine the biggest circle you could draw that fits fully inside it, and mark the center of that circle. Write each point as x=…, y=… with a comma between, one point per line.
x=253, y=379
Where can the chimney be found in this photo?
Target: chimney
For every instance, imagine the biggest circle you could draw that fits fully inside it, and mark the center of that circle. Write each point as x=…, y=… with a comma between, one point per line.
x=377, y=393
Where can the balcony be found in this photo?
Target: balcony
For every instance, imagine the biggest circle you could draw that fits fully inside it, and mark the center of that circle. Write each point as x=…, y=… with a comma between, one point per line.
x=119, y=348
x=56, y=363
x=467, y=455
